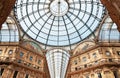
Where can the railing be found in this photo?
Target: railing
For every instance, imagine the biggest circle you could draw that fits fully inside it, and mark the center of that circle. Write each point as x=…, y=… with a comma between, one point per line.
x=19, y=61
x=97, y=63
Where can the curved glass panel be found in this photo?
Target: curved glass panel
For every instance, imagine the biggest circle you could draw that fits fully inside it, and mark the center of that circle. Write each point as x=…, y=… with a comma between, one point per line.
x=9, y=31
x=109, y=32
x=59, y=22
x=57, y=60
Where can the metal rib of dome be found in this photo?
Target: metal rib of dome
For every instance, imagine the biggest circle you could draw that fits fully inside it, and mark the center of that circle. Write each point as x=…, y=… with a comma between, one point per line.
x=59, y=22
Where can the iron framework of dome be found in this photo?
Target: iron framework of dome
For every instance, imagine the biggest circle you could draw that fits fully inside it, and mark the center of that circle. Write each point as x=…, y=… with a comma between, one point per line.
x=59, y=22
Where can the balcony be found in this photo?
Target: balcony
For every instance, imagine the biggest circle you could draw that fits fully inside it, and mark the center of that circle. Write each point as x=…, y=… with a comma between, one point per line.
x=96, y=64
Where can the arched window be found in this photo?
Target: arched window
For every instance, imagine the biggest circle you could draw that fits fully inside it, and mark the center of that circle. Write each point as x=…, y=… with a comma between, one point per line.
x=99, y=75
x=9, y=31
x=115, y=74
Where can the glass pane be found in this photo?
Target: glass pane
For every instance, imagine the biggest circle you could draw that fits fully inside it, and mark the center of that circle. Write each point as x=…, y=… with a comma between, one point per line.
x=73, y=19
x=56, y=62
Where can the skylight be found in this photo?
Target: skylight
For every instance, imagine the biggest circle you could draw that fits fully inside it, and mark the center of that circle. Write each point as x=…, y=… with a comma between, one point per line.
x=57, y=60
x=59, y=22
x=9, y=31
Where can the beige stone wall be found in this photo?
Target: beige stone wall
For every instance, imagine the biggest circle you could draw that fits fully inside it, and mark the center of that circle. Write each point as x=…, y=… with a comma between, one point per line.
x=9, y=73
x=24, y=61
x=105, y=73
x=102, y=59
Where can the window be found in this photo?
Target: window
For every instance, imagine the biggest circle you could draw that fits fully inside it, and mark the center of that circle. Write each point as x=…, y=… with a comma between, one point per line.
x=39, y=61
x=87, y=76
x=19, y=61
x=10, y=52
x=31, y=58
x=29, y=64
x=15, y=74
x=21, y=54
x=26, y=76
x=110, y=60
x=75, y=62
x=85, y=65
x=76, y=68
x=96, y=62
x=99, y=75
x=115, y=74
x=1, y=71
x=9, y=31
x=118, y=52
x=108, y=53
x=94, y=55
x=92, y=75
x=0, y=51
x=84, y=59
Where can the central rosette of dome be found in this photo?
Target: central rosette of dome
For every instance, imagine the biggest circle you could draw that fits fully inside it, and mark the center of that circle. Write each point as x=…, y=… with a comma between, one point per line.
x=59, y=7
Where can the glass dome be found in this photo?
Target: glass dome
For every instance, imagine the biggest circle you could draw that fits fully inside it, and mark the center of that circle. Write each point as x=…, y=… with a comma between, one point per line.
x=59, y=22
